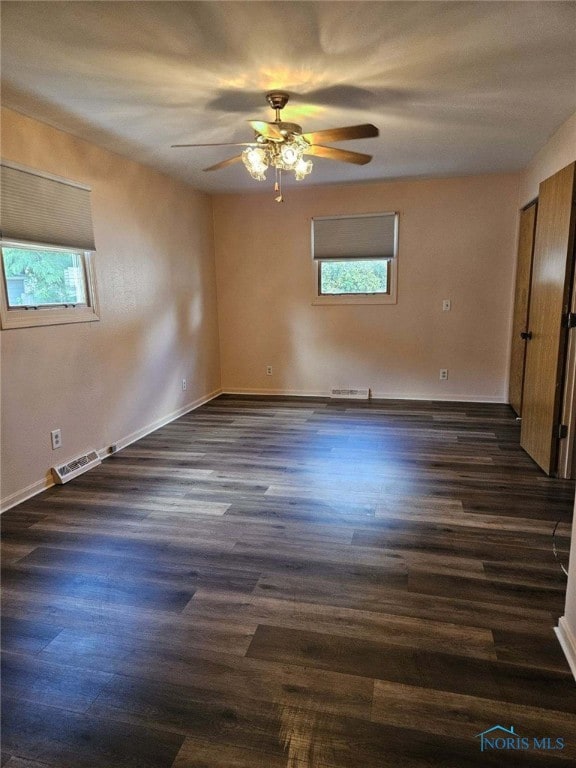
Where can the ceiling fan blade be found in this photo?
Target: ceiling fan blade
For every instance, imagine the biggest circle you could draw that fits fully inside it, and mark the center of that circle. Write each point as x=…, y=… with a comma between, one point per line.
x=344, y=155
x=224, y=163
x=224, y=144
x=268, y=130
x=365, y=131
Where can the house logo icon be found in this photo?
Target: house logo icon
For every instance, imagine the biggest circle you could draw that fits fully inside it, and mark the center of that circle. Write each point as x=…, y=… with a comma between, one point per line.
x=497, y=737
x=500, y=738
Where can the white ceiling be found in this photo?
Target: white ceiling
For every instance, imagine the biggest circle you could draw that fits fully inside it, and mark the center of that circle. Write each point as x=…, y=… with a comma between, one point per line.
x=455, y=88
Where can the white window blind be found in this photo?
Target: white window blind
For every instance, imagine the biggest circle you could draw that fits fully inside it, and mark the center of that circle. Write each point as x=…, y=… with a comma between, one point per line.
x=42, y=209
x=365, y=236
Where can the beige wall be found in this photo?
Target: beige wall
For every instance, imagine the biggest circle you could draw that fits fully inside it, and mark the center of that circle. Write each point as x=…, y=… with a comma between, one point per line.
x=556, y=154
x=456, y=241
x=103, y=382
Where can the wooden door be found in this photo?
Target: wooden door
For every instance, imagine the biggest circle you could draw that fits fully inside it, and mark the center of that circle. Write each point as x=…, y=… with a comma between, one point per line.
x=521, y=305
x=549, y=302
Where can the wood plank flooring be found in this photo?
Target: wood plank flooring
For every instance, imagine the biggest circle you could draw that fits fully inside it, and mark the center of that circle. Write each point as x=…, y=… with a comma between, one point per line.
x=291, y=583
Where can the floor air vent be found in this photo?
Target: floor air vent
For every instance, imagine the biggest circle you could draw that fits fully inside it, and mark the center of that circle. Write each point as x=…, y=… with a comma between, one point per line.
x=350, y=394
x=75, y=467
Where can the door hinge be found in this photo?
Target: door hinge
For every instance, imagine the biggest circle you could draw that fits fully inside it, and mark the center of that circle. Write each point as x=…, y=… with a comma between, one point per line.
x=570, y=320
x=561, y=431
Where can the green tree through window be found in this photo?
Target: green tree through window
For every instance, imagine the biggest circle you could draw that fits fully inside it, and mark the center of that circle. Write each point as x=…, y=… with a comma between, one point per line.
x=39, y=277
x=354, y=276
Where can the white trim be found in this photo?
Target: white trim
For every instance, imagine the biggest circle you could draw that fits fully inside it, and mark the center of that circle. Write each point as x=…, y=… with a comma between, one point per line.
x=277, y=392
x=25, y=493
x=123, y=442
x=567, y=641
x=450, y=398
x=42, y=485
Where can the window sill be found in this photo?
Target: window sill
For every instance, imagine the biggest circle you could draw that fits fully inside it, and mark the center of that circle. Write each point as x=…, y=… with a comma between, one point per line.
x=384, y=298
x=32, y=318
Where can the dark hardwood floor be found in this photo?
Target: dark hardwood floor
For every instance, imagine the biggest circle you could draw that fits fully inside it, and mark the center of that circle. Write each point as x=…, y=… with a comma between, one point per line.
x=291, y=583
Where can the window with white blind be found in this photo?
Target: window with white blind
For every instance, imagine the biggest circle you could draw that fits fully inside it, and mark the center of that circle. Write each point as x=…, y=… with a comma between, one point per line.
x=47, y=250
x=355, y=258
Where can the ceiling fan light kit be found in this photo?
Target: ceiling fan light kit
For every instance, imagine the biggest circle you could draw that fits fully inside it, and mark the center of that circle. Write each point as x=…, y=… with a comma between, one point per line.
x=285, y=156
x=282, y=146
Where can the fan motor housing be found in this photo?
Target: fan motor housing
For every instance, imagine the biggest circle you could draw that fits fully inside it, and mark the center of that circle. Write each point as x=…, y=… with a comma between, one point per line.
x=277, y=99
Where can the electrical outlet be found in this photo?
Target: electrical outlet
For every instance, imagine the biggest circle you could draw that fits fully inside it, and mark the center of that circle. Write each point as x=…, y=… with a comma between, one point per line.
x=268, y=370
x=443, y=374
x=184, y=385
x=446, y=305
x=56, y=438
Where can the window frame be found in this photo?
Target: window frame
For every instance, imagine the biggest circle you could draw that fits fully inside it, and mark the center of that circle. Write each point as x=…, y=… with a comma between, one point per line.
x=390, y=297
x=49, y=314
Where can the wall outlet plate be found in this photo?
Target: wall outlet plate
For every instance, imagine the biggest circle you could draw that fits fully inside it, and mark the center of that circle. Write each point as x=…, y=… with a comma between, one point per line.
x=56, y=439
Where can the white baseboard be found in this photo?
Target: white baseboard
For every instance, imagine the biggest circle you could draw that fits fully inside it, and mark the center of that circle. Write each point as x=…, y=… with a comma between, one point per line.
x=140, y=433
x=568, y=642
x=439, y=397
x=277, y=392
x=25, y=493
x=373, y=395
x=42, y=485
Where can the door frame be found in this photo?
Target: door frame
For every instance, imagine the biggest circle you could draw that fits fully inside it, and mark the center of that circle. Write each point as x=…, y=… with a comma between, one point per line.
x=566, y=463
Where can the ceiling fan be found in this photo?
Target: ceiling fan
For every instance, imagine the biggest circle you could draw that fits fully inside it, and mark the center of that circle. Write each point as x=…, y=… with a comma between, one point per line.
x=284, y=146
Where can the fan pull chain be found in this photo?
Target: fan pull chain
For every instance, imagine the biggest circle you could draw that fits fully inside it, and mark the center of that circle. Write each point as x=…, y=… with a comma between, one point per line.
x=278, y=185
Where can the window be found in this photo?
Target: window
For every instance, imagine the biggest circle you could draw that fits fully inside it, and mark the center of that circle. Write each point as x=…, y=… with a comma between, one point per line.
x=355, y=259
x=46, y=249
x=352, y=277
x=39, y=277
